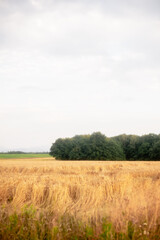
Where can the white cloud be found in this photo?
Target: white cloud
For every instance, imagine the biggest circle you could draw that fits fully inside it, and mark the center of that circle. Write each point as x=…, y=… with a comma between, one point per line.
x=76, y=67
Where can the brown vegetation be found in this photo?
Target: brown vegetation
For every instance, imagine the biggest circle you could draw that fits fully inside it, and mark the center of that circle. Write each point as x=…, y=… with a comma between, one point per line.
x=118, y=191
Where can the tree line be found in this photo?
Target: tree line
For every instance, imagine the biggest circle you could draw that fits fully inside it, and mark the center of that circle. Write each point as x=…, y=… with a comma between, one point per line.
x=99, y=147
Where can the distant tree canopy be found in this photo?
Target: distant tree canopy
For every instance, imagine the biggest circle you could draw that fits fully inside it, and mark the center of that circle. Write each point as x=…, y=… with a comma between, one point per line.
x=98, y=147
x=87, y=147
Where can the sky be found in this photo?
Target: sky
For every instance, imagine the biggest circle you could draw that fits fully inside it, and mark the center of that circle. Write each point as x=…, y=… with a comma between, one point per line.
x=70, y=67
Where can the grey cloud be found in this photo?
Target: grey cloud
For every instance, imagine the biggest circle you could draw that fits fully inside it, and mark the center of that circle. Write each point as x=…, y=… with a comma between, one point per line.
x=91, y=33
x=115, y=6
x=9, y=7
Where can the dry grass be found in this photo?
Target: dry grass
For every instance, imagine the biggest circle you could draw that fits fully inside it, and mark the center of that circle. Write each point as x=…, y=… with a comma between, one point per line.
x=120, y=191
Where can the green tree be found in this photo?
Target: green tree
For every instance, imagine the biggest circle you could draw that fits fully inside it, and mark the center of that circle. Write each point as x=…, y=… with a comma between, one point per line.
x=129, y=145
x=146, y=144
x=155, y=154
x=61, y=148
x=98, y=147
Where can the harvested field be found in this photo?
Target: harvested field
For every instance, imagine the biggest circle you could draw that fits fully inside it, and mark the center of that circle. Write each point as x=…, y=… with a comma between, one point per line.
x=120, y=192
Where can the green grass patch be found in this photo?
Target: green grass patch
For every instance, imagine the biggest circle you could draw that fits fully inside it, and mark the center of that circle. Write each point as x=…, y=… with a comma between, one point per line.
x=23, y=155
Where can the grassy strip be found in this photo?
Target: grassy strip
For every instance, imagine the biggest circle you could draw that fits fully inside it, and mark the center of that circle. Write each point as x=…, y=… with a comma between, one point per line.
x=23, y=155
x=28, y=225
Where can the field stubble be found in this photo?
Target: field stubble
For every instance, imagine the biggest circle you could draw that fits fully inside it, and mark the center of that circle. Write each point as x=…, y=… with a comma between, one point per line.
x=122, y=192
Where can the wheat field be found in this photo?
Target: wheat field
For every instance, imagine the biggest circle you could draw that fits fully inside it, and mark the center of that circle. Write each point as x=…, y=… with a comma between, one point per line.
x=90, y=191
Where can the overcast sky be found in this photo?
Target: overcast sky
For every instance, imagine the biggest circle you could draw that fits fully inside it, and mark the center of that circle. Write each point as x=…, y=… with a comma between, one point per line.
x=72, y=67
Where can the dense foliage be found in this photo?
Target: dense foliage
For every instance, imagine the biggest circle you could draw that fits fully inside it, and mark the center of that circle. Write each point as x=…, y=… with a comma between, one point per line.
x=146, y=147
x=98, y=147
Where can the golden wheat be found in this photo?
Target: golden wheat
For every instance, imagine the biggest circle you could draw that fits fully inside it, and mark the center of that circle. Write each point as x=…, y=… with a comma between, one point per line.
x=120, y=191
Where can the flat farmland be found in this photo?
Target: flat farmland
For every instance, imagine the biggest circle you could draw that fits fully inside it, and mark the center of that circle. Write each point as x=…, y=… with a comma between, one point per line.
x=77, y=197
x=23, y=155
